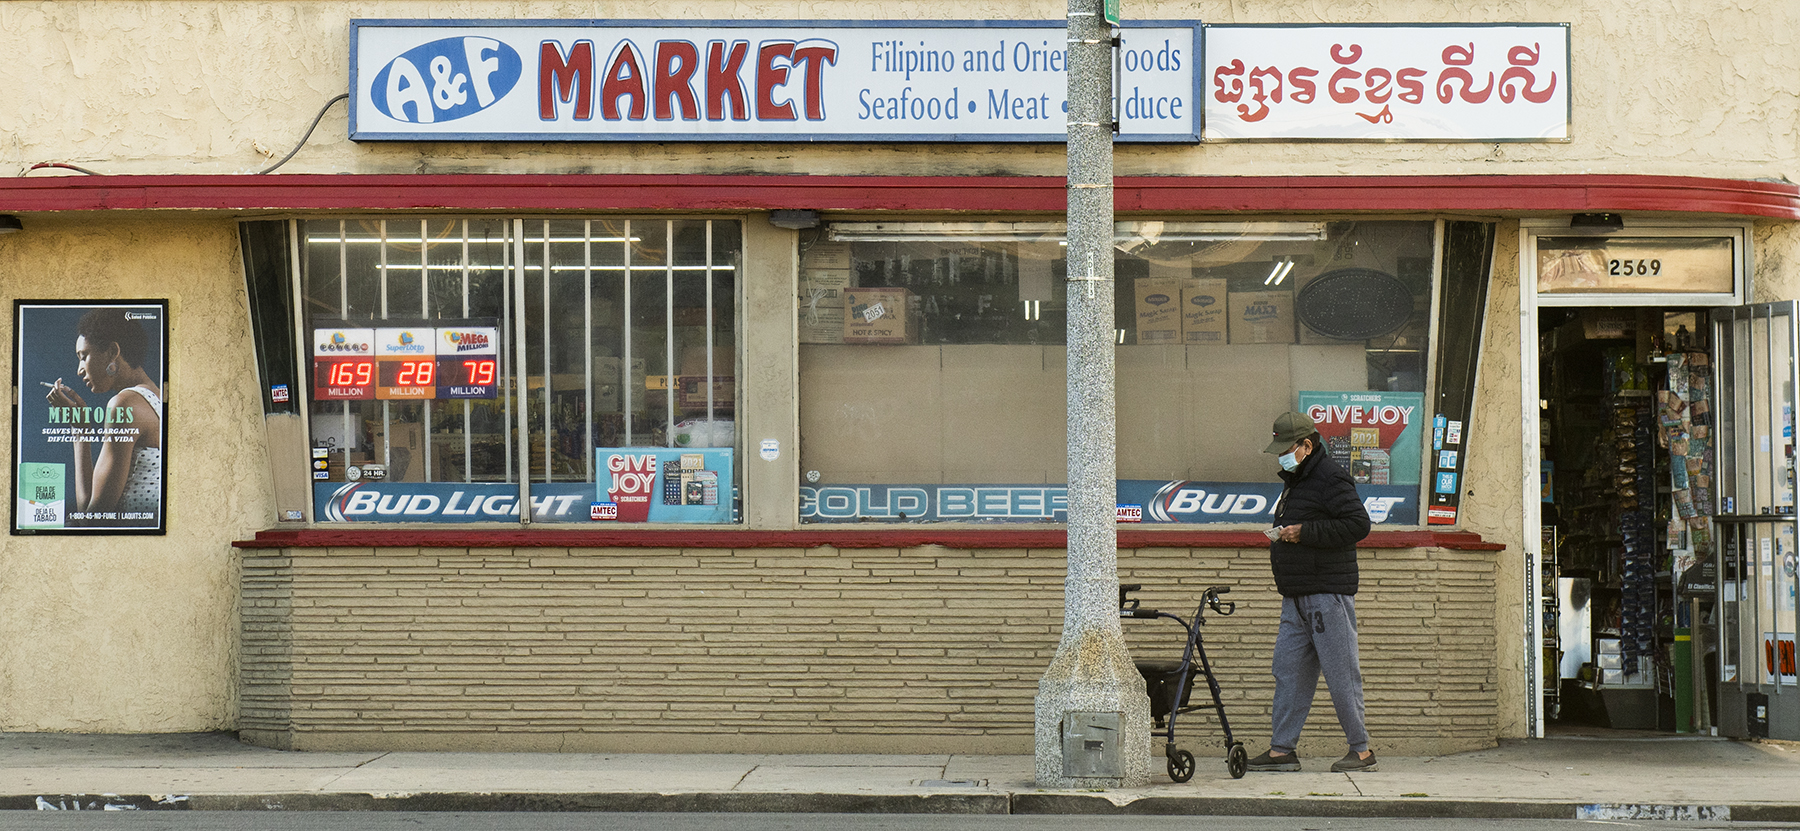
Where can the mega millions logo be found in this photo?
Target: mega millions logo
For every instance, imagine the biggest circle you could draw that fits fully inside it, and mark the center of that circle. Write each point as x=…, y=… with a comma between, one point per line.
x=467, y=341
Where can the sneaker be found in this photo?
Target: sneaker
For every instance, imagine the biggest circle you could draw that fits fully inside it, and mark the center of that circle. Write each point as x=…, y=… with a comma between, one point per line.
x=1266, y=763
x=1351, y=764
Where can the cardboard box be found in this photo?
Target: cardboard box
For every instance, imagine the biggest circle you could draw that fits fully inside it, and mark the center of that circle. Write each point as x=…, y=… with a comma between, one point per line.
x=826, y=256
x=1261, y=316
x=880, y=315
x=827, y=283
x=405, y=452
x=822, y=322
x=1158, y=309
x=1203, y=312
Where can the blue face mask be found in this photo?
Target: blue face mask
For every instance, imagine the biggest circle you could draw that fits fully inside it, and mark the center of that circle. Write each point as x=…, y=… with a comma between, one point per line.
x=1288, y=462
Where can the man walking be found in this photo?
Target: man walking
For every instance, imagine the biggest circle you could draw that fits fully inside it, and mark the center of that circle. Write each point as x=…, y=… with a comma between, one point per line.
x=1312, y=552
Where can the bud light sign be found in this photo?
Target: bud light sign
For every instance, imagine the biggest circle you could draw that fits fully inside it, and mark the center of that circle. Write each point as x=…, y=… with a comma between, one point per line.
x=506, y=80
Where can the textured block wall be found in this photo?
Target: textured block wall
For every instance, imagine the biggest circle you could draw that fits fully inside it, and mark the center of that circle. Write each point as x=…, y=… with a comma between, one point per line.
x=926, y=650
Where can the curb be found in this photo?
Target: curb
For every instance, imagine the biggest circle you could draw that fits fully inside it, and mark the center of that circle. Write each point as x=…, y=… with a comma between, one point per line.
x=1045, y=803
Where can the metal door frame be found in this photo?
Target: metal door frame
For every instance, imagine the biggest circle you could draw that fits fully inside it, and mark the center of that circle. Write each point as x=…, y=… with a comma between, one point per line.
x=1760, y=510
x=1531, y=451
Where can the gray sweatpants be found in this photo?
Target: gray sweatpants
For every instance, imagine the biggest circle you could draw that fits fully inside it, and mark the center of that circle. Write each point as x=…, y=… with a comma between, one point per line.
x=1318, y=632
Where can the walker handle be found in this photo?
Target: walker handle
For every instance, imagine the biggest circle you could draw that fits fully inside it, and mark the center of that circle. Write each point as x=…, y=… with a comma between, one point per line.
x=1222, y=607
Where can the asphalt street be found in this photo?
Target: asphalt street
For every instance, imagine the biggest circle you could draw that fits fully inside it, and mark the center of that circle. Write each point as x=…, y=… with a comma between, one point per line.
x=416, y=821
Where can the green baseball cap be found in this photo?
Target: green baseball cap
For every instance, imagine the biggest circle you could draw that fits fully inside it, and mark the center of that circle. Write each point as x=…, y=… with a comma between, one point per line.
x=1289, y=428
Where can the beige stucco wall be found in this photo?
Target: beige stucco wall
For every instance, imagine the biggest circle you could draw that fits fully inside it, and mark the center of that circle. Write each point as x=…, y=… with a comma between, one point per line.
x=138, y=634
x=1493, y=483
x=1691, y=87
x=1776, y=272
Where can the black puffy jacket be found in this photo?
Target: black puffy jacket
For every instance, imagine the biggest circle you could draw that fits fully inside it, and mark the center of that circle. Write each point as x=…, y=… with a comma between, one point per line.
x=1321, y=498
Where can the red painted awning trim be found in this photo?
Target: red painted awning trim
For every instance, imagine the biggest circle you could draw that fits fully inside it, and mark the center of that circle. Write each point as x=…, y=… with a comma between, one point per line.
x=967, y=539
x=1610, y=193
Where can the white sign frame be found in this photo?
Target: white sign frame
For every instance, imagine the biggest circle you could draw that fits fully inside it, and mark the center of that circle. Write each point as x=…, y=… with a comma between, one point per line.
x=877, y=81
x=1506, y=82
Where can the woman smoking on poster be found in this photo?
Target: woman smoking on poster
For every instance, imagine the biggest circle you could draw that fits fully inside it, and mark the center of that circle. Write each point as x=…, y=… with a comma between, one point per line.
x=118, y=458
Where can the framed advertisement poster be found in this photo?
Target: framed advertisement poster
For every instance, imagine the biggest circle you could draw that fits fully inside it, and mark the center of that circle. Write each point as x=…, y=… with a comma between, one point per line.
x=1373, y=435
x=664, y=484
x=88, y=418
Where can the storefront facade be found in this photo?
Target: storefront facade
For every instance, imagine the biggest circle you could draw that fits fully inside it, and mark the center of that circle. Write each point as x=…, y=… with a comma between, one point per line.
x=785, y=397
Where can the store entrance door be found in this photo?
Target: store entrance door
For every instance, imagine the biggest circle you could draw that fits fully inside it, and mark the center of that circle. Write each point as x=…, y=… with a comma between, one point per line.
x=1625, y=425
x=1755, y=570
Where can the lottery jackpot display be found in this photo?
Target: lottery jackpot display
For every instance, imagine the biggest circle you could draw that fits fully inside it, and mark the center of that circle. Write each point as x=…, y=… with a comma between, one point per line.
x=445, y=360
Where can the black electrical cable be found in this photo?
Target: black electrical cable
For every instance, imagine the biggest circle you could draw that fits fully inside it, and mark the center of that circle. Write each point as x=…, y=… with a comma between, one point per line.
x=309, y=132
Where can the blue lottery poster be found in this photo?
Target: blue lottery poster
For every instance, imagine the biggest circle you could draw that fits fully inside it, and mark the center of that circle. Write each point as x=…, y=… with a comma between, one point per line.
x=1375, y=435
x=663, y=484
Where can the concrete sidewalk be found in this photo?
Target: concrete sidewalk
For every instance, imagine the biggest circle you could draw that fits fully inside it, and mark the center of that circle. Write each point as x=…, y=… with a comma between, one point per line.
x=1561, y=778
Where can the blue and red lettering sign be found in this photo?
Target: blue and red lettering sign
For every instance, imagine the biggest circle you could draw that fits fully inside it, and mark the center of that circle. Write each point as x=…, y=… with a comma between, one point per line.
x=505, y=80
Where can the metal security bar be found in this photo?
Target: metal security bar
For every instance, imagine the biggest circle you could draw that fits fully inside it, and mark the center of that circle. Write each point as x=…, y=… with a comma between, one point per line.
x=646, y=294
x=614, y=332
x=1758, y=376
x=367, y=272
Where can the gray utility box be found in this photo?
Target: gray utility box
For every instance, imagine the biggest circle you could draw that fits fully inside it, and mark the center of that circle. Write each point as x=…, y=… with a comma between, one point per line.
x=1091, y=745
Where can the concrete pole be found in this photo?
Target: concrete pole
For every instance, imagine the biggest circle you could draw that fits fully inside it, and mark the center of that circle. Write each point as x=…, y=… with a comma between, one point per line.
x=1091, y=688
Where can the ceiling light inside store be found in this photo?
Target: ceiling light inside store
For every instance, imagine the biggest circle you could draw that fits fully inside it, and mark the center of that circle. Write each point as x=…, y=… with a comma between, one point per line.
x=947, y=231
x=1153, y=232
x=473, y=267
x=1283, y=265
x=442, y=241
x=1128, y=235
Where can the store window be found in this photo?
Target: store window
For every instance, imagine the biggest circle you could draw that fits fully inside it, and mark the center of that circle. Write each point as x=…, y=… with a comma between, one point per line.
x=462, y=368
x=933, y=367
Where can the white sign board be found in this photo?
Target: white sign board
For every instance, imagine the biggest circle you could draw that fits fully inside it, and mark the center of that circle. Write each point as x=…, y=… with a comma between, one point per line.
x=504, y=80
x=1502, y=82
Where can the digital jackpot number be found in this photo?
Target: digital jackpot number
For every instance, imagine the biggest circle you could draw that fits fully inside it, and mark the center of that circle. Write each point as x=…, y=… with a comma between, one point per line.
x=346, y=379
x=472, y=377
x=408, y=378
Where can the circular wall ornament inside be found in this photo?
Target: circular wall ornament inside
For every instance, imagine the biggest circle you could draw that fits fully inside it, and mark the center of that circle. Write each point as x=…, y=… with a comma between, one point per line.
x=1354, y=304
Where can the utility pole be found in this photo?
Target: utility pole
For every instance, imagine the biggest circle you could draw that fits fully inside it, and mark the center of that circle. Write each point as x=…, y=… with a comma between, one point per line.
x=1093, y=715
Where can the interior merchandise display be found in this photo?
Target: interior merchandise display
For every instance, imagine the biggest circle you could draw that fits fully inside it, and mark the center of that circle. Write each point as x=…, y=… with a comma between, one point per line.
x=1627, y=446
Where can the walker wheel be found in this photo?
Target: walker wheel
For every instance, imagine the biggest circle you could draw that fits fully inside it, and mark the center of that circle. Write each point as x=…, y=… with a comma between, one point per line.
x=1181, y=766
x=1237, y=761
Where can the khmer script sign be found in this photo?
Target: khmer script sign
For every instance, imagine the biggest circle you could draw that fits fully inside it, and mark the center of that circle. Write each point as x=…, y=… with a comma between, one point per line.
x=1487, y=83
